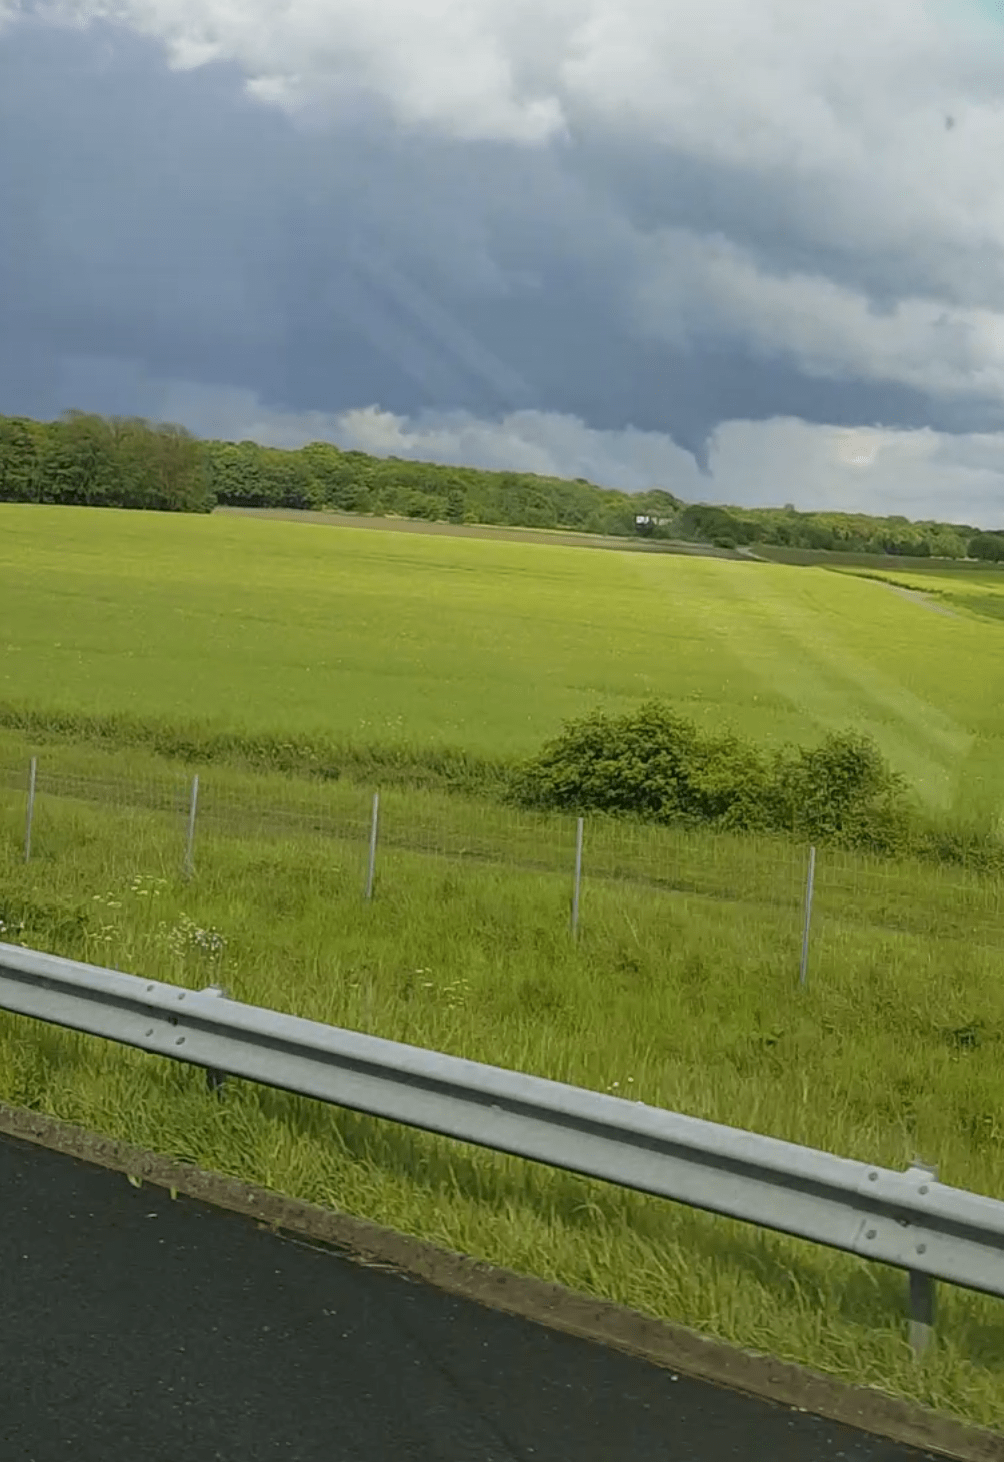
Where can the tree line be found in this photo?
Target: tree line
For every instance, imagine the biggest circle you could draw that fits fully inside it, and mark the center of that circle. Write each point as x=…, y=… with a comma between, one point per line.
x=97, y=461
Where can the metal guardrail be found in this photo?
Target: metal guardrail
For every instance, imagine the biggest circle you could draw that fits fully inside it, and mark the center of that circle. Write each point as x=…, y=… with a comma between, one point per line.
x=908, y=1219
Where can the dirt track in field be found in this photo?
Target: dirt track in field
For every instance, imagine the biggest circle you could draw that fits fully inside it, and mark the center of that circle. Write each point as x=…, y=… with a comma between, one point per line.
x=483, y=530
x=920, y=598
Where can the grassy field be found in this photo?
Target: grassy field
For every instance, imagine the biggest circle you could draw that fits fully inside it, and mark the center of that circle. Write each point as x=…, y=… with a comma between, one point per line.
x=683, y=987
x=970, y=589
x=485, y=645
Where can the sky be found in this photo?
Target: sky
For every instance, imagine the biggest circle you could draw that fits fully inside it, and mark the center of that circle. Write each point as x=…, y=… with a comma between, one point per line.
x=751, y=251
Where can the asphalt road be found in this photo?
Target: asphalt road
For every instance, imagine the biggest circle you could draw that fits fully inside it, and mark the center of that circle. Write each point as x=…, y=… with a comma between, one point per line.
x=139, y=1327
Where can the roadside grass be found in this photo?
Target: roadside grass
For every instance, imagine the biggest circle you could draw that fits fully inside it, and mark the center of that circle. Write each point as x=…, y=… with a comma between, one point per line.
x=682, y=991
x=922, y=898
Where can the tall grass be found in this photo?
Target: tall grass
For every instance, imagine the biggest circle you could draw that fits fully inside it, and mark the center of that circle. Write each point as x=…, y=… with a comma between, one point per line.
x=681, y=991
x=205, y=743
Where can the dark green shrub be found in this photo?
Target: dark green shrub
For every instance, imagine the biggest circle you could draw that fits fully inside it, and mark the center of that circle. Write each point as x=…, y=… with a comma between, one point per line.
x=978, y=850
x=632, y=764
x=658, y=766
x=650, y=763
x=842, y=790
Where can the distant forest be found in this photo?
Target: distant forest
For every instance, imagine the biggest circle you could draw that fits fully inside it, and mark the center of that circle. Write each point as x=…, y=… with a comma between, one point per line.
x=130, y=463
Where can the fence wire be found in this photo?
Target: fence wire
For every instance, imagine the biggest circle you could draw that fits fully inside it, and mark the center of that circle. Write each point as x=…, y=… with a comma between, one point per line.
x=903, y=898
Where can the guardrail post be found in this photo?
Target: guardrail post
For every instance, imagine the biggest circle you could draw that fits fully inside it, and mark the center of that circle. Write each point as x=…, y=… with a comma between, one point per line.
x=374, y=825
x=215, y=1080
x=922, y=1291
x=810, y=881
x=576, y=890
x=921, y=1311
x=31, y=808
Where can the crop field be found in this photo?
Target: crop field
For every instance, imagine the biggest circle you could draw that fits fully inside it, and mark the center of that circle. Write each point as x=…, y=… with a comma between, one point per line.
x=484, y=645
x=682, y=989
x=955, y=589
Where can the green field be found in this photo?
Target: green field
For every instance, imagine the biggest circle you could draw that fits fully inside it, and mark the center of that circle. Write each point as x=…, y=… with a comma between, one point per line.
x=683, y=987
x=486, y=645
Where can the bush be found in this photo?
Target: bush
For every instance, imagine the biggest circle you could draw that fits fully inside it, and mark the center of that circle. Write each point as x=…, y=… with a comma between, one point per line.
x=650, y=763
x=658, y=766
x=842, y=791
x=636, y=764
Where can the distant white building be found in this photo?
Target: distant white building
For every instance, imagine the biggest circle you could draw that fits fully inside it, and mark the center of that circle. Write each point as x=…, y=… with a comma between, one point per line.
x=642, y=518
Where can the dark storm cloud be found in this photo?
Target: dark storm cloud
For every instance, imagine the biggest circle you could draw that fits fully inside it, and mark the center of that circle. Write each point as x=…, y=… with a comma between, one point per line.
x=164, y=225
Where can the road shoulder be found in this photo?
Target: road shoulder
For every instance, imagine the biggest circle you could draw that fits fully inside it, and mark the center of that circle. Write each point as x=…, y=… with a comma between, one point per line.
x=661, y=1343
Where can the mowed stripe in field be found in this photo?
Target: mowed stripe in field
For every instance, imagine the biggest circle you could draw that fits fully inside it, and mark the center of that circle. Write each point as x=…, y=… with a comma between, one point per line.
x=840, y=651
x=479, y=643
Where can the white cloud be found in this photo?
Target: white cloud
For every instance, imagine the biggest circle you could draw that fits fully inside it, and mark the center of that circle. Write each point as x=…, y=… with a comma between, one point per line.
x=444, y=64
x=920, y=474
x=687, y=289
x=848, y=102
x=526, y=441
x=523, y=441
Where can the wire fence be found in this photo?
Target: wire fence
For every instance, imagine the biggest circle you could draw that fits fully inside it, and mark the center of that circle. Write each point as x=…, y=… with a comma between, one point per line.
x=180, y=813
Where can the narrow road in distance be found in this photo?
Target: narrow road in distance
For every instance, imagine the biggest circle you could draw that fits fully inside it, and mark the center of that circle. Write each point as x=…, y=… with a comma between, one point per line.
x=157, y=1330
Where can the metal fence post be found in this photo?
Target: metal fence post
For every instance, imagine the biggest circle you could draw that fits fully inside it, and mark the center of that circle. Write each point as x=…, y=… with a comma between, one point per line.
x=578, y=879
x=371, y=871
x=31, y=808
x=808, y=914
x=189, y=850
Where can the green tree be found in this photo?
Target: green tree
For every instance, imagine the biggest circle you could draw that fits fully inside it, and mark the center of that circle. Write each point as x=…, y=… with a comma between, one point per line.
x=324, y=466
x=181, y=479
x=22, y=447
x=236, y=475
x=79, y=465
x=987, y=546
x=134, y=448
x=704, y=523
